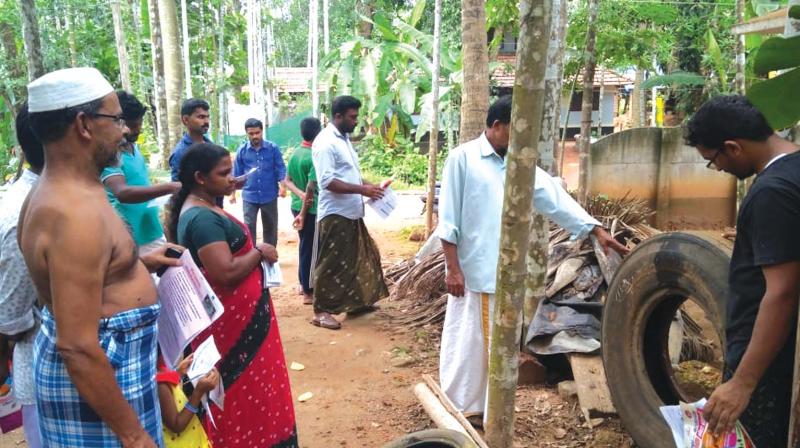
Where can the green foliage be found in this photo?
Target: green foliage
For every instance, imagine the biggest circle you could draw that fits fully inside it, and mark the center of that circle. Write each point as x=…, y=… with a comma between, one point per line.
x=673, y=79
x=778, y=98
x=390, y=72
x=402, y=161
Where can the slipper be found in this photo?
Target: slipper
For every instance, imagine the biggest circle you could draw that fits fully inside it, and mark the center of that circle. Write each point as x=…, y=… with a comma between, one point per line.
x=308, y=300
x=326, y=322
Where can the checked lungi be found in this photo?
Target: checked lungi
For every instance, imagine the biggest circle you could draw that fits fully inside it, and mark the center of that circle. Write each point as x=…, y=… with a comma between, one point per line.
x=129, y=341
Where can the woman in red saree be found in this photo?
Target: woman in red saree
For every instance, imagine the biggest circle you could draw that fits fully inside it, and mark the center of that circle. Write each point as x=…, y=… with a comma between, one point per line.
x=258, y=401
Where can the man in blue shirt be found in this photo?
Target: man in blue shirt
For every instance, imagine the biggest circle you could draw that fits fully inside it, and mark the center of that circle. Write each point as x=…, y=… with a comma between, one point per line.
x=260, y=191
x=196, y=118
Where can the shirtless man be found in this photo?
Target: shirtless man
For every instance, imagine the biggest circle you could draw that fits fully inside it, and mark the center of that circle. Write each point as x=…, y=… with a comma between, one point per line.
x=95, y=358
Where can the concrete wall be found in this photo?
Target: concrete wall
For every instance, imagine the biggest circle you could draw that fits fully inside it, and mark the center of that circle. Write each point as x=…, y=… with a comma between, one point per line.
x=654, y=164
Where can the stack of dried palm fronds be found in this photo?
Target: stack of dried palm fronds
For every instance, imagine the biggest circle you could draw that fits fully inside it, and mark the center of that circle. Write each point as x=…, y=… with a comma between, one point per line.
x=573, y=270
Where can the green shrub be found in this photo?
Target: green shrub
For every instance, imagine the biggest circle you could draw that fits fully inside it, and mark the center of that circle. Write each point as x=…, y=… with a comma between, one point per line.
x=401, y=160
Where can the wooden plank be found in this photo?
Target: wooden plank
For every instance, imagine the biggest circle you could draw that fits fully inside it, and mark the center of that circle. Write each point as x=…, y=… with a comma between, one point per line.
x=451, y=408
x=590, y=376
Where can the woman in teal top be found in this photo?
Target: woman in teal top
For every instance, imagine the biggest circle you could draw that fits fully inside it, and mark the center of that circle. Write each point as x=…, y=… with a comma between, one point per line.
x=253, y=368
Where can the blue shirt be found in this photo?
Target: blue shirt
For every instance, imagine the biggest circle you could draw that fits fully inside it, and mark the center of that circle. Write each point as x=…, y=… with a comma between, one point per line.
x=471, y=209
x=261, y=187
x=177, y=154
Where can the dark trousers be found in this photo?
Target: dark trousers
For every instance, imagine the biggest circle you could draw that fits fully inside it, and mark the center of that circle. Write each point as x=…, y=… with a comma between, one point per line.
x=766, y=417
x=269, y=220
x=306, y=249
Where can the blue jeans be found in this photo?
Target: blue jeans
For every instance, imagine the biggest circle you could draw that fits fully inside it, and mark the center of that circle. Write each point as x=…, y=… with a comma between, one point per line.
x=269, y=220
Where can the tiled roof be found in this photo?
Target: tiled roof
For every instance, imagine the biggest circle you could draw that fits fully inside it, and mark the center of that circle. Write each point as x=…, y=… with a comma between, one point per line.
x=503, y=76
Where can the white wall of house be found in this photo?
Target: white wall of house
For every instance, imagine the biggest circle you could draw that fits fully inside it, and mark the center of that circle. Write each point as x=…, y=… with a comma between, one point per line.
x=608, y=106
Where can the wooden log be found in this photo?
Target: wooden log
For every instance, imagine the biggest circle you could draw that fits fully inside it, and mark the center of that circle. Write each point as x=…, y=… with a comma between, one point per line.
x=451, y=408
x=436, y=411
x=593, y=394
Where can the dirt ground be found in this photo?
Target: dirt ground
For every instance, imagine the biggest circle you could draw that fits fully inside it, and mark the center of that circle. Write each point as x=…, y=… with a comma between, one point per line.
x=361, y=376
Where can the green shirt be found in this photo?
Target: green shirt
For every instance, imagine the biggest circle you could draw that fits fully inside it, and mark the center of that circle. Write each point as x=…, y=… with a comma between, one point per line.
x=141, y=219
x=301, y=170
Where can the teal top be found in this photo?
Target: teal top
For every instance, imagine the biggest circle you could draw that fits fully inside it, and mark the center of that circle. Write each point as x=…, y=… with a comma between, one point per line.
x=201, y=226
x=142, y=220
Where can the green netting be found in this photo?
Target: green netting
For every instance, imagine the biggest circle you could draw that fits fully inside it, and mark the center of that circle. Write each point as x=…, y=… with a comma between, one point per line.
x=284, y=134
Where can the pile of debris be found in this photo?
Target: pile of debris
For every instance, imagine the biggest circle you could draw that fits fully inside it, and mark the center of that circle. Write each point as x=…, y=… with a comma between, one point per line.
x=574, y=272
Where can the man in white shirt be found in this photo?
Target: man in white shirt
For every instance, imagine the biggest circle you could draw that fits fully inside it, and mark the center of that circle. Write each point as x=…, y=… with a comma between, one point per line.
x=347, y=265
x=470, y=212
x=19, y=313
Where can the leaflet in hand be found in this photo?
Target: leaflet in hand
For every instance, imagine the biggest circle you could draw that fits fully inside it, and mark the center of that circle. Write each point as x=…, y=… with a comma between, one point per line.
x=246, y=174
x=272, y=275
x=690, y=429
x=385, y=205
x=205, y=358
x=188, y=306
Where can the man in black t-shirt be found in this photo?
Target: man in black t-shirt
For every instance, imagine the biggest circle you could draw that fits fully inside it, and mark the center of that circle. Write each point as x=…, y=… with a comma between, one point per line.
x=764, y=276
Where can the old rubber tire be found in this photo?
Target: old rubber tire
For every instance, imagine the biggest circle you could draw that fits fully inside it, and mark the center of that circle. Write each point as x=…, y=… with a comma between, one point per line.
x=433, y=438
x=644, y=295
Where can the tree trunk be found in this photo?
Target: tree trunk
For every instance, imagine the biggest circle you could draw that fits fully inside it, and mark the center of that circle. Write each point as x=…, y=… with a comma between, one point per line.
x=600, y=102
x=740, y=51
x=313, y=17
x=187, y=66
x=433, y=148
x=552, y=86
x=526, y=117
x=122, y=52
x=168, y=18
x=73, y=48
x=637, y=103
x=326, y=35
x=221, y=106
x=32, y=42
x=137, y=30
x=559, y=84
x=475, y=90
x=586, y=107
x=159, y=92
x=367, y=8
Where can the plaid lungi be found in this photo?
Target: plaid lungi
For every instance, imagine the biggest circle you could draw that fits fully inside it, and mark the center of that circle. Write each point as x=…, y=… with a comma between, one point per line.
x=65, y=419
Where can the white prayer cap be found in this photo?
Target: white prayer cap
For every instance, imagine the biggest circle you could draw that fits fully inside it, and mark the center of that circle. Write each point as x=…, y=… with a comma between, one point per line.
x=67, y=88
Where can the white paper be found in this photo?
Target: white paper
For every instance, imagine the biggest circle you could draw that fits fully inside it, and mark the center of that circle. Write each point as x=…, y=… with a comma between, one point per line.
x=245, y=175
x=385, y=205
x=188, y=306
x=272, y=275
x=205, y=358
x=674, y=418
x=159, y=201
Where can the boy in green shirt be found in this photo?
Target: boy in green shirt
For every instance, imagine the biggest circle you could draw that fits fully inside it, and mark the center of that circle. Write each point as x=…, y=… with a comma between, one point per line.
x=301, y=181
x=128, y=184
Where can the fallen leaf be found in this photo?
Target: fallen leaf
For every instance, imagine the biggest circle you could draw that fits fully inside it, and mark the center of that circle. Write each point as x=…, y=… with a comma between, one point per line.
x=296, y=366
x=560, y=433
x=305, y=397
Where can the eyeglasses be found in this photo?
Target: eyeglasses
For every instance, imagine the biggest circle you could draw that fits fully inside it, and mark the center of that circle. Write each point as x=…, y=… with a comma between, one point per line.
x=118, y=119
x=711, y=165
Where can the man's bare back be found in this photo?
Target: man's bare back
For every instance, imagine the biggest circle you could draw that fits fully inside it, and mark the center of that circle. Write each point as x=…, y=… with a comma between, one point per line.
x=63, y=213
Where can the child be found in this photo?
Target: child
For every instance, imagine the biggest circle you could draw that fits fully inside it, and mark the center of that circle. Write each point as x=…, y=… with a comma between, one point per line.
x=182, y=428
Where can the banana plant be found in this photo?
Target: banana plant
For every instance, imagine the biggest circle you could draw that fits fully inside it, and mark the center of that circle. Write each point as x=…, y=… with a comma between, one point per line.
x=778, y=98
x=390, y=71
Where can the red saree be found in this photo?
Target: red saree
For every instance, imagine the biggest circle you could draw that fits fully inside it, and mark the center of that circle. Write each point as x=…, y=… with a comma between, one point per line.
x=258, y=400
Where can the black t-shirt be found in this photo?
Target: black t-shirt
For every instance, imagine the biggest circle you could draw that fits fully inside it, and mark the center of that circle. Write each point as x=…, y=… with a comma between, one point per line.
x=767, y=233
